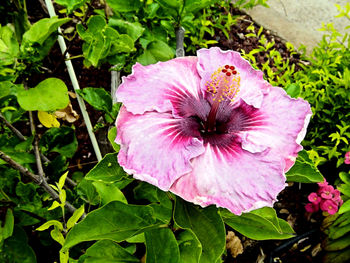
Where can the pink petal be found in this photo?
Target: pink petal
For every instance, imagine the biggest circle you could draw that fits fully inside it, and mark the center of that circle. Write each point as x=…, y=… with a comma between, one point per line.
x=314, y=198
x=232, y=178
x=311, y=208
x=279, y=124
x=159, y=86
x=252, y=83
x=155, y=147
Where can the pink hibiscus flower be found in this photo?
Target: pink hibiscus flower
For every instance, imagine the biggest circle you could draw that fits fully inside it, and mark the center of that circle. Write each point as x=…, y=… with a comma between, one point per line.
x=209, y=129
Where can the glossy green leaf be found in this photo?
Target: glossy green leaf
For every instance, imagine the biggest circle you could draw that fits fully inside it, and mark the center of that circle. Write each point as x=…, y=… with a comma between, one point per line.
x=189, y=246
x=61, y=140
x=15, y=249
x=9, y=46
x=75, y=217
x=161, y=246
x=98, y=98
x=134, y=30
x=124, y=5
x=71, y=5
x=87, y=192
x=338, y=244
x=293, y=90
x=42, y=29
x=304, y=170
x=255, y=226
x=50, y=223
x=206, y=224
x=337, y=256
x=109, y=192
x=19, y=157
x=107, y=170
x=345, y=207
x=112, y=134
x=171, y=4
x=107, y=251
x=6, y=226
x=115, y=221
x=192, y=6
x=345, y=189
x=49, y=95
x=156, y=51
x=160, y=201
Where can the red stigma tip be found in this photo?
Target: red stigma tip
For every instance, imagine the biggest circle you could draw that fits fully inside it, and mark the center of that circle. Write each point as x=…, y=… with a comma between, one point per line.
x=232, y=67
x=227, y=66
x=234, y=72
x=228, y=74
x=224, y=70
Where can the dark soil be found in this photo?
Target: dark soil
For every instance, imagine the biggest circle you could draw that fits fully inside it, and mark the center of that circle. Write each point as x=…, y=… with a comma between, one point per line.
x=291, y=201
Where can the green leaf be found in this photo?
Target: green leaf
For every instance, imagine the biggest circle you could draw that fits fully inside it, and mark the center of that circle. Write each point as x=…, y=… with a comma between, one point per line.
x=190, y=247
x=9, y=46
x=337, y=256
x=6, y=227
x=160, y=201
x=206, y=224
x=344, y=189
x=160, y=50
x=116, y=221
x=57, y=235
x=61, y=140
x=134, y=30
x=344, y=207
x=109, y=192
x=16, y=248
x=75, y=217
x=50, y=223
x=304, y=170
x=171, y=4
x=338, y=244
x=293, y=90
x=112, y=134
x=156, y=51
x=107, y=251
x=62, y=180
x=42, y=29
x=192, y=6
x=98, y=98
x=49, y=95
x=161, y=246
x=19, y=157
x=71, y=5
x=87, y=192
x=256, y=225
x=107, y=170
x=124, y=5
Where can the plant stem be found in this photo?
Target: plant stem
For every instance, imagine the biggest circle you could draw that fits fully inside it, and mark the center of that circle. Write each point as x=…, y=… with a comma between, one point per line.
x=12, y=128
x=75, y=84
x=22, y=138
x=36, y=179
x=36, y=147
x=180, y=34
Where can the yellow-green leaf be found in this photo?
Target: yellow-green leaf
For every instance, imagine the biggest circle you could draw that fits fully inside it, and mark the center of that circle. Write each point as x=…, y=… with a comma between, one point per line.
x=48, y=119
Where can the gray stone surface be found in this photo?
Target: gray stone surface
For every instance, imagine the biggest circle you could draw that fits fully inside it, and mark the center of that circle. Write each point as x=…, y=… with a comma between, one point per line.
x=298, y=21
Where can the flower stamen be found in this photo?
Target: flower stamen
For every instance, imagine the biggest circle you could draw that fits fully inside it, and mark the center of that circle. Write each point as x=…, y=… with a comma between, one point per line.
x=224, y=84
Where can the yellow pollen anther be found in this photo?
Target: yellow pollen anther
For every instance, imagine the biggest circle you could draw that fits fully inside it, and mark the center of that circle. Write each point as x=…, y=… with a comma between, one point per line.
x=224, y=83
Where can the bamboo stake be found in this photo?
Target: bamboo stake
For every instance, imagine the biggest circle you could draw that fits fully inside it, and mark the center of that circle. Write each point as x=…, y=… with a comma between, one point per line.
x=75, y=84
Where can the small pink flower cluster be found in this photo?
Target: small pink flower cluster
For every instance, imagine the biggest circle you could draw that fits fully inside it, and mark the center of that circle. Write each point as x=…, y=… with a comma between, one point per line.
x=327, y=198
x=347, y=158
